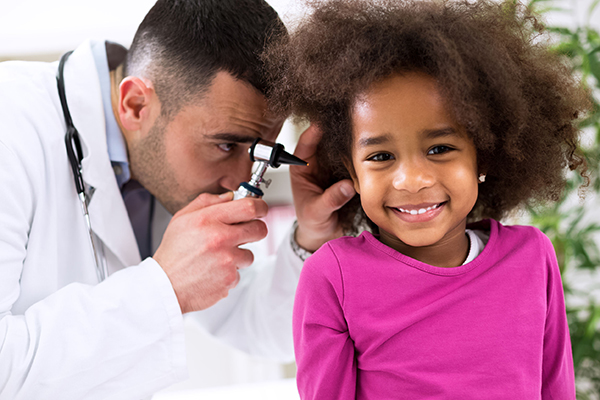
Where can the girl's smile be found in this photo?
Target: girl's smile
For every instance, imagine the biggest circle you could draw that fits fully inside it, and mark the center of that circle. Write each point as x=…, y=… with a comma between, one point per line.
x=419, y=213
x=415, y=169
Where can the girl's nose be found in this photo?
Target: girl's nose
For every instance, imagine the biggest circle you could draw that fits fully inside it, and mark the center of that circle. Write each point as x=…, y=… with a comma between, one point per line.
x=412, y=176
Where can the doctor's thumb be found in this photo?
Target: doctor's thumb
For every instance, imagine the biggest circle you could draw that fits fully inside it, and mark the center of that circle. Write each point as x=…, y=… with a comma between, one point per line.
x=339, y=194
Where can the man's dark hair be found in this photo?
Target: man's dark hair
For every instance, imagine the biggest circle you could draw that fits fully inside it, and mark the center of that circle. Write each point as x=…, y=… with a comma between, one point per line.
x=181, y=45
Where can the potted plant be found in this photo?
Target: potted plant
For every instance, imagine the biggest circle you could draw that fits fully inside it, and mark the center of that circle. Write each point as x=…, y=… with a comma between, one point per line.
x=570, y=223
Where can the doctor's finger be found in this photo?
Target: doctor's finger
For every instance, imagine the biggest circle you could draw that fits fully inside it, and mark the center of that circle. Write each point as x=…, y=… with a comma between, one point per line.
x=243, y=210
x=235, y=282
x=308, y=142
x=246, y=232
x=334, y=197
x=205, y=200
x=245, y=258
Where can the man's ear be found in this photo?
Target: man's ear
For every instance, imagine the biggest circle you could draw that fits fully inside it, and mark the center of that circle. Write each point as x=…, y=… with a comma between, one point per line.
x=348, y=164
x=137, y=100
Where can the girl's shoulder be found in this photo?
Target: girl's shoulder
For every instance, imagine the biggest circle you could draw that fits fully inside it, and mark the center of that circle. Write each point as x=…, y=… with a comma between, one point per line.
x=345, y=245
x=344, y=251
x=507, y=234
x=518, y=241
x=522, y=235
x=359, y=247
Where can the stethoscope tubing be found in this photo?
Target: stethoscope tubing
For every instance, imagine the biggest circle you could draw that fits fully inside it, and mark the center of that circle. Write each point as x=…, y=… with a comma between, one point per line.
x=75, y=155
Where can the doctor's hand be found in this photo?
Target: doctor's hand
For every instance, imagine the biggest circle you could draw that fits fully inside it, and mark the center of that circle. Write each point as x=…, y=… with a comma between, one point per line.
x=316, y=208
x=199, y=251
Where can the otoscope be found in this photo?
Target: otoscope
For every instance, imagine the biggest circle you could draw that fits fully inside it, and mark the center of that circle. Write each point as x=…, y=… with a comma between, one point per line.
x=264, y=154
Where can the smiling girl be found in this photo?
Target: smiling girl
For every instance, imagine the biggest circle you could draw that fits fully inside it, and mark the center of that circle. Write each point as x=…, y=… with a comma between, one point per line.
x=446, y=116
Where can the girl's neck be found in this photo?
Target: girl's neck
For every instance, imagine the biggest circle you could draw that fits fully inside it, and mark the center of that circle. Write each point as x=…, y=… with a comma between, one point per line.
x=449, y=252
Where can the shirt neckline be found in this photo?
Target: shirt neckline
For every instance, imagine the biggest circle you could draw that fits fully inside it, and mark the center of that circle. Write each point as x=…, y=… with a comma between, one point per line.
x=117, y=149
x=490, y=224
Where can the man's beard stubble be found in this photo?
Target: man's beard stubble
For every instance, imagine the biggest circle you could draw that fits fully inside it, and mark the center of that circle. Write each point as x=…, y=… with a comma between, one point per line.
x=149, y=166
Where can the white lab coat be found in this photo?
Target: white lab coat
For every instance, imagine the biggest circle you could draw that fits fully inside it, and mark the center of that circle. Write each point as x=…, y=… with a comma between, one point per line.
x=63, y=335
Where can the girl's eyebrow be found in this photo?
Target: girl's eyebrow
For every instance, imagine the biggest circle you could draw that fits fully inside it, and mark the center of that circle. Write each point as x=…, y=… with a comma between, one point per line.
x=438, y=133
x=373, y=140
x=428, y=133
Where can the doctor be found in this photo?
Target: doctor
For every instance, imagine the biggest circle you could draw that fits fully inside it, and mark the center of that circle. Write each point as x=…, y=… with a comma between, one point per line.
x=166, y=125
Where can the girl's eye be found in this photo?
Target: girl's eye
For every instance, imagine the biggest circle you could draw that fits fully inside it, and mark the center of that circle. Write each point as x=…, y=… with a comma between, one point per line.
x=439, y=150
x=381, y=157
x=227, y=147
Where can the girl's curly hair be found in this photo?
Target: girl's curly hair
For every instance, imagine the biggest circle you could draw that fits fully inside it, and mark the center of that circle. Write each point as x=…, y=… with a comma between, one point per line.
x=518, y=101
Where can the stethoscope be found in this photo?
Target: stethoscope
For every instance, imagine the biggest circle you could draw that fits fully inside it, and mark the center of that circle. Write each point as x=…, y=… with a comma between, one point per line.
x=75, y=154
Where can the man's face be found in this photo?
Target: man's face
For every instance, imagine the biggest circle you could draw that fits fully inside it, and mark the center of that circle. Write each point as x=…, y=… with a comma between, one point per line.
x=204, y=147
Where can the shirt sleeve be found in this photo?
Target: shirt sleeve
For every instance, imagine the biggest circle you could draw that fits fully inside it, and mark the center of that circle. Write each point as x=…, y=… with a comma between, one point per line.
x=324, y=349
x=121, y=339
x=256, y=316
x=558, y=379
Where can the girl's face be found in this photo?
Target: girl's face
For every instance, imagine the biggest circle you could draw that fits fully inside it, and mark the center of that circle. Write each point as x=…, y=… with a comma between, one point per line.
x=415, y=168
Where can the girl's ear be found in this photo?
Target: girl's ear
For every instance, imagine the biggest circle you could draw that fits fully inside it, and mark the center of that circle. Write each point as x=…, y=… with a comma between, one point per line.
x=350, y=169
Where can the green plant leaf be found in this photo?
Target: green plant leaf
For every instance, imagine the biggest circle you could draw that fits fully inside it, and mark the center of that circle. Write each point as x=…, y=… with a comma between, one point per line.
x=560, y=30
x=592, y=8
x=567, y=49
x=593, y=323
x=594, y=62
x=572, y=232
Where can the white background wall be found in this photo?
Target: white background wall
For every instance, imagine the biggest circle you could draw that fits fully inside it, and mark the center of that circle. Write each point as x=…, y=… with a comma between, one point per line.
x=41, y=27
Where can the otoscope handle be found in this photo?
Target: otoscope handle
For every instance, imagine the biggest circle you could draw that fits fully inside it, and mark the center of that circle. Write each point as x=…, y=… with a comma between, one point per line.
x=247, y=190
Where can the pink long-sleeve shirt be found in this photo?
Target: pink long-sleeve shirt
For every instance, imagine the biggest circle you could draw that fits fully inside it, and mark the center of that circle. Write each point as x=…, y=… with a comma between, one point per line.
x=371, y=323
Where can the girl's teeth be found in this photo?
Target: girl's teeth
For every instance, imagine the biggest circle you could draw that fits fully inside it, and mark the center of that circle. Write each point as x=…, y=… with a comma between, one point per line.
x=418, y=212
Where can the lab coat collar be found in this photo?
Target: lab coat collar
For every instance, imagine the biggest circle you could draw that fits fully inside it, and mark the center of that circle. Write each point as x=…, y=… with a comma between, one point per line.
x=109, y=218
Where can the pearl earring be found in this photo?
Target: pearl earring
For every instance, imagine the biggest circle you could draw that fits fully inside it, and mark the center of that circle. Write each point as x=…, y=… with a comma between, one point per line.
x=481, y=178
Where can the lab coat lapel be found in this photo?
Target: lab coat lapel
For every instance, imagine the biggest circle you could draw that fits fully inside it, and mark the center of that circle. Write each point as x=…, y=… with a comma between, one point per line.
x=109, y=218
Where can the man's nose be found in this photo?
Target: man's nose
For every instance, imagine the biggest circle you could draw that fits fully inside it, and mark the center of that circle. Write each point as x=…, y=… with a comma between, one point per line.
x=236, y=173
x=412, y=176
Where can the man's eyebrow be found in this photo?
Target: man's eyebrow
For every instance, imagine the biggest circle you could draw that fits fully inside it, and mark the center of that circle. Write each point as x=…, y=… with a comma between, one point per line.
x=373, y=140
x=232, y=138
